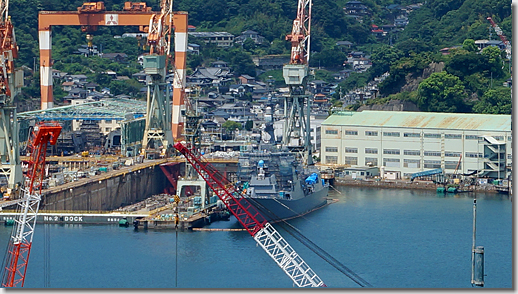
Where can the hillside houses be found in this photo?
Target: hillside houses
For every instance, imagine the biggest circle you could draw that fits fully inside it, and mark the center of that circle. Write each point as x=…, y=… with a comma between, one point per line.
x=249, y=34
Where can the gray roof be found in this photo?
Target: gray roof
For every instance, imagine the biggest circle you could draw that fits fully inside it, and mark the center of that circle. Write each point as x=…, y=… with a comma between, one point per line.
x=424, y=120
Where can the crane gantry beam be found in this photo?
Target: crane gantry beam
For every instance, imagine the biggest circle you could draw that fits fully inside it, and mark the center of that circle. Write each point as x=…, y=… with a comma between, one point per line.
x=47, y=19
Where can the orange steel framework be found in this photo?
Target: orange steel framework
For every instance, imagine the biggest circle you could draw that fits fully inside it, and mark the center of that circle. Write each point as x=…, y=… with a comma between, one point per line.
x=47, y=19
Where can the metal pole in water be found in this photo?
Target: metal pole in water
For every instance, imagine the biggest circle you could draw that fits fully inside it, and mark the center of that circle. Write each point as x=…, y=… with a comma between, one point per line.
x=477, y=254
x=479, y=266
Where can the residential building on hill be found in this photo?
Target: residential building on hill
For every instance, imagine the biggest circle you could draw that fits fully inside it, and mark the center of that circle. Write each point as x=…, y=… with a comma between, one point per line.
x=411, y=142
x=221, y=39
x=249, y=34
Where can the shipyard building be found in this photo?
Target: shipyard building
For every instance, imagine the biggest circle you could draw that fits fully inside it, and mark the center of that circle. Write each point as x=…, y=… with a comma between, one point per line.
x=410, y=142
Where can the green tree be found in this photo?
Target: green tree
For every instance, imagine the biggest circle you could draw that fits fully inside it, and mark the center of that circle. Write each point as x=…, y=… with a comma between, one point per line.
x=442, y=92
x=383, y=57
x=469, y=45
x=249, y=125
x=412, y=45
x=332, y=58
x=128, y=87
x=494, y=59
x=231, y=125
x=495, y=101
x=466, y=64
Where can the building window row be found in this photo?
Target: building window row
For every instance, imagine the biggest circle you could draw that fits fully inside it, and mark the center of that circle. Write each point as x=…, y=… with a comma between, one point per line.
x=452, y=154
x=391, y=134
x=331, y=149
x=432, y=164
x=412, y=135
x=452, y=164
x=412, y=152
x=391, y=151
x=473, y=155
x=351, y=160
x=371, y=161
x=471, y=137
x=432, y=153
x=331, y=132
x=351, y=150
x=431, y=135
x=371, y=150
x=391, y=162
x=452, y=136
x=331, y=159
x=412, y=163
x=351, y=132
x=371, y=133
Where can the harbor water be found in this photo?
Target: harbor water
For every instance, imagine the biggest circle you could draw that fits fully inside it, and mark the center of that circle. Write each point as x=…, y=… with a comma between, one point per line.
x=391, y=238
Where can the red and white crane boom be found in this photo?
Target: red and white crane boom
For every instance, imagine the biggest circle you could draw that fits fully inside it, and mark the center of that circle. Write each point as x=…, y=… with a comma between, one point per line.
x=19, y=247
x=254, y=222
x=500, y=34
x=8, y=50
x=159, y=37
x=300, y=34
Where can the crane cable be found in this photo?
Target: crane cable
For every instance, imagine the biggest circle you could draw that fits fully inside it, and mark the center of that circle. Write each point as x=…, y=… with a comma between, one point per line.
x=310, y=245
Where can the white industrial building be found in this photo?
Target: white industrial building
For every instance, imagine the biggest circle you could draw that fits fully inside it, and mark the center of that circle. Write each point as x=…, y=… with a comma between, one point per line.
x=411, y=142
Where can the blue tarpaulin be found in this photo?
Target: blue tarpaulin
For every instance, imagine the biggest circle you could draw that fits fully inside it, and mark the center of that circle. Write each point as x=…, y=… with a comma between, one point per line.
x=312, y=179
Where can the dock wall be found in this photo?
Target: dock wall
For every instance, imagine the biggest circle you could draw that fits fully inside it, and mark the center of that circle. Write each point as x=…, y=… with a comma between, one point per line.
x=108, y=193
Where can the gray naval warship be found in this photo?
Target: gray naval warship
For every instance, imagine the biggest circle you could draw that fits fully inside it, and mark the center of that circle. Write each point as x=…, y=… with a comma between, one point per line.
x=279, y=183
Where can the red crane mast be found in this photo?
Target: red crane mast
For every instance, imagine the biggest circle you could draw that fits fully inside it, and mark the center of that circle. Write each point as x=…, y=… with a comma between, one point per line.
x=19, y=247
x=500, y=33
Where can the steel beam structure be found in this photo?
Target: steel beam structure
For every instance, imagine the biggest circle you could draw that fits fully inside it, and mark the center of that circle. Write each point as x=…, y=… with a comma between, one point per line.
x=109, y=109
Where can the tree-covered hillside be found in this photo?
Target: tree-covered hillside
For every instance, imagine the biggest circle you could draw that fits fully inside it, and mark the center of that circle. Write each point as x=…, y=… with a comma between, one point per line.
x=433, y=24
x=450, y=22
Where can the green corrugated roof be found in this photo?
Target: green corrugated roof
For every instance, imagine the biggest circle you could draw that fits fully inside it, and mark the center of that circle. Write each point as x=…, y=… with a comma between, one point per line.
x=425, y=120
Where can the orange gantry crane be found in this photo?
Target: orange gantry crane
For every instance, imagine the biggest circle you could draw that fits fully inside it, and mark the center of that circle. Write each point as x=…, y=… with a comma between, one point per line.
x=92, y=14
x=253, y=221
x=19, y=247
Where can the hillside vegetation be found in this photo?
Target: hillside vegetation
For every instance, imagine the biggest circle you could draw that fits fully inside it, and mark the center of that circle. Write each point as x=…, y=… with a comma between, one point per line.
x=435, y=25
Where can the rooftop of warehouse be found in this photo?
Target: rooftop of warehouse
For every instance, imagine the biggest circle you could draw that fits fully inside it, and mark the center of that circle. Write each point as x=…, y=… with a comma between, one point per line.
x=425, y=120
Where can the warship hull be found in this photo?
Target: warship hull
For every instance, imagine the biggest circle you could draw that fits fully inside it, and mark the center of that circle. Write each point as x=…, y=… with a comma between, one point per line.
x=283, y=209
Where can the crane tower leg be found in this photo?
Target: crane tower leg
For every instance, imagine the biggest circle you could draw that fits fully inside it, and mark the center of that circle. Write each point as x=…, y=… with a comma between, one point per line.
x=180, y=63
x=47, y=100
x=10, y=167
